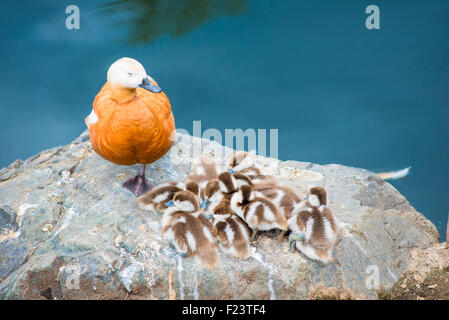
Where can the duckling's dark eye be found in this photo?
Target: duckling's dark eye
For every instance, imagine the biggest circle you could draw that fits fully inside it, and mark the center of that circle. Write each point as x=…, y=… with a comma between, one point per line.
x=130, y=74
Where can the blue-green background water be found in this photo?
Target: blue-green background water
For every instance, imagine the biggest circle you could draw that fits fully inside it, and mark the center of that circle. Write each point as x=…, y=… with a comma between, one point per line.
x=337, y=92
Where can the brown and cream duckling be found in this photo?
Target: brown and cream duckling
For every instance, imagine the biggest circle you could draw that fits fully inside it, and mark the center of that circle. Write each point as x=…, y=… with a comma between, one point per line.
x=215, y=201
x=203, y=170
x=161, y=197
x=186, y=227
x=258, y=212
x=241, y=160
x=244, y=163
x=283, y=197
x=217, y=194
x=314, y=227
x=233, y=235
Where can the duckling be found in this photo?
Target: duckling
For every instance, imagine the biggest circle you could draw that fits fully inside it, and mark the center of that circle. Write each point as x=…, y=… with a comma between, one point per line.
x=241, y=160
x=317, y=197
x=259, y=213
x=161, y=197
x=214, y=200
x=217, y=194
x=227, y=183
x=193, y=187
x=233, y=235
x=244, y=163
x=283, y=197
x=203, y=170
x=186, y=227
x=131, y=121
x=242, y=179
x=314, y=228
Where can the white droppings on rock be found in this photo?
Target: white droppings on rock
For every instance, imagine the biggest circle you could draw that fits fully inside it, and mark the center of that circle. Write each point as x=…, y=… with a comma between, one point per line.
x=22, y=210
x=181, y=283
x=73, y=211
x=127, y=274
x=257, y=256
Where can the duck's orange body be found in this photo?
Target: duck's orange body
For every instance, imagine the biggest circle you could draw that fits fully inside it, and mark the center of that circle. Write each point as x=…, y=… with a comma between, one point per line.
x=131, y=126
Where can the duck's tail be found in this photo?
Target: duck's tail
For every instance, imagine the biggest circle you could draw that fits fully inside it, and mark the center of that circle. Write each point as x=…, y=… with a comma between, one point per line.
x=242, y=249
x=395, y=174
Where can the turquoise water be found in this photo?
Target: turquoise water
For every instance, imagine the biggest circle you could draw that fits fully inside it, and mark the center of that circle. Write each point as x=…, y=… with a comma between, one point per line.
x=337, y=92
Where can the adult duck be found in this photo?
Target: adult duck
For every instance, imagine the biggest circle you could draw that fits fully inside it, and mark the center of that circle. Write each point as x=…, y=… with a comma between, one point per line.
x=131, y=121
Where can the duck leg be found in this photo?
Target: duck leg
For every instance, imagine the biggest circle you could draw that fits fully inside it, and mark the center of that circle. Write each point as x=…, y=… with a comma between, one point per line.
x=291, y=243
x=280, y=237
x=253, y=235
x=138, y=184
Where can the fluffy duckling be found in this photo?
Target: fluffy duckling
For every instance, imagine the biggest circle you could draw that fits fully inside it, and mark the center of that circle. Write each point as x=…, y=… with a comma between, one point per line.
x=241, y=160
x=233, y=235
x=161, y=197
x=227, y=183
x=186, y=227
x=259, y=213
x=215, y=201
x=203, y=170
x=317, y=197
x=283, y=197
x=131, y=121
x=314, y=228
x=244, y=163
x=218, y=193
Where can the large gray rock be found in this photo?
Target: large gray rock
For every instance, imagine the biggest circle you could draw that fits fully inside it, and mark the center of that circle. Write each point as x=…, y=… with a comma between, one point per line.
x=64, y=214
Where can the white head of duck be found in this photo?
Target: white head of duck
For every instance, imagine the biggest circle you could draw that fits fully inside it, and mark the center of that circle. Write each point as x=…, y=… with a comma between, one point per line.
x=128, y=73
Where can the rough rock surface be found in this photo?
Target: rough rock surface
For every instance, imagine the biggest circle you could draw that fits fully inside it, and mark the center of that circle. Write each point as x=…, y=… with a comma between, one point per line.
x=64, y=214
x=426, y=278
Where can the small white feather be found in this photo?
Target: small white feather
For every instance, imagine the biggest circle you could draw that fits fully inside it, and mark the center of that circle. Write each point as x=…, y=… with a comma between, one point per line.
x=395, y=174
x=93, y=118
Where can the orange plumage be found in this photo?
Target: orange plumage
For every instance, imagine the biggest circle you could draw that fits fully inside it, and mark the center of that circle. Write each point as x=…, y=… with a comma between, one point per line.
x=133, y=126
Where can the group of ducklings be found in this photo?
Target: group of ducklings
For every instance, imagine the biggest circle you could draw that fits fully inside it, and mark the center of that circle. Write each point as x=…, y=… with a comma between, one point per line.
x=224, y=209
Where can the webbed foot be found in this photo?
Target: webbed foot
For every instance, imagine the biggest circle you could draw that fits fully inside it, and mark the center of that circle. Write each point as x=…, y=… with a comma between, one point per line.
x=138, y=185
